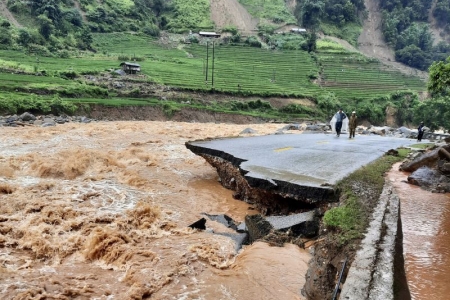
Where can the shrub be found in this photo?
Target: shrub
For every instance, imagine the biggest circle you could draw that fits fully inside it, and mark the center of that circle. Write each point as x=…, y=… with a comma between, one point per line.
x=239, y=106
x=253, y=41
x=193, y=39
x=64, y=54
x=5, y=39
x=68, y=74
x=39, y=50
x=231, y=29
x=5, y=24
x=169, y=110
x=266, y=29
x=294, y=109
x=59, y=106
x=151, y=30
x=123, y=58
x=312, y=75
x=236, y=38
x=258, y=104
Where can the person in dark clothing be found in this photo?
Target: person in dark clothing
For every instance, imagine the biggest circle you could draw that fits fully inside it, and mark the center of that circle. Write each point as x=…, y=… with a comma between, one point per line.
x=339, y=118
x=420, y=131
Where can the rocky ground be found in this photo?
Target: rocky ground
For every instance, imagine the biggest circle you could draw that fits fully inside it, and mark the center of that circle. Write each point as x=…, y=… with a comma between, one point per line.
x=430, y=169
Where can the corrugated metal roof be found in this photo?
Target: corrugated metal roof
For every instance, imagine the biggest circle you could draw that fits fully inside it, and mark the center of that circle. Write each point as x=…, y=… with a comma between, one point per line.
x=130, y=64
x=208, y=33
x=298, y=29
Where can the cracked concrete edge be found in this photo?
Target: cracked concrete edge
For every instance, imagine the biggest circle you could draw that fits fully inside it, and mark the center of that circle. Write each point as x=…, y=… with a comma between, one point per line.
x=371, y=274
x=383, y=277
x=303, y=193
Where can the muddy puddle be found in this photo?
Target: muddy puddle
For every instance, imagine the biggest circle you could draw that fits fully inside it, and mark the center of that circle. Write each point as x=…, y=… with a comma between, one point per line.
x=100, y=211
x=426, y=225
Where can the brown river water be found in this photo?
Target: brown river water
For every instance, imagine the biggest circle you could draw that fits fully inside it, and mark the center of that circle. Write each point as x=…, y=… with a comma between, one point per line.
x=100, y=211
x=426, y=240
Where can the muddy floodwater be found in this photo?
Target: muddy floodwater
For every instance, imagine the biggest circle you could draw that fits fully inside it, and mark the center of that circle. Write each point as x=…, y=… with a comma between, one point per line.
x=426, y=225
x=100, y=211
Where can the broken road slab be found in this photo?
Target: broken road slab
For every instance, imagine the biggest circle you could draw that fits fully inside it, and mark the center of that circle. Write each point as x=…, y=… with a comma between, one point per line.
x=307, y=164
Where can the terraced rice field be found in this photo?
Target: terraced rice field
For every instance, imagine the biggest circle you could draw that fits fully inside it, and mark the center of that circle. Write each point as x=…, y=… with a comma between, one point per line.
x=353, y=76
x=225, y=68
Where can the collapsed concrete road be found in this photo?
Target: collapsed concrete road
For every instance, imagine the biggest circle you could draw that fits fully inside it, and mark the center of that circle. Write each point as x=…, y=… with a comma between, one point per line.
x=281, y=171
x=290, y=174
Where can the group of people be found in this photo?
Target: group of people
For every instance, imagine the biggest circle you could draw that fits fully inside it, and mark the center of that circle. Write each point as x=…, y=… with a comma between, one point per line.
x=340, y=119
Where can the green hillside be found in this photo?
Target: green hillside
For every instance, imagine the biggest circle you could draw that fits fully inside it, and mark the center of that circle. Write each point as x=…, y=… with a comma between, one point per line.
x=54, y=27
x=241, y=69
x=62, y=41
x=263, y=72
x=330, y=77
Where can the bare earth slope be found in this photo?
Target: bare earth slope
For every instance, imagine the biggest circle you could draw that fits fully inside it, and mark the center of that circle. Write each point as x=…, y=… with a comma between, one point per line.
x=433, y=26
x=231, y=12
x=4, y=11
x=78, y=6
x=371, y=42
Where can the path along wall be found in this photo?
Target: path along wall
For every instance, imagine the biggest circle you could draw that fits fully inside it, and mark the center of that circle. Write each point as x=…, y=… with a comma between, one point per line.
x=377, y=271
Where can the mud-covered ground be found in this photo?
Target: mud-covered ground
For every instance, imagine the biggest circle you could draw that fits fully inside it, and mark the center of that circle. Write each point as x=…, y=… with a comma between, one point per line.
x=100, y=211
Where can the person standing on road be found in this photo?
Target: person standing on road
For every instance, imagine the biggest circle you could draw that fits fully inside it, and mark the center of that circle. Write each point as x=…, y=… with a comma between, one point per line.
x=337, y=121
x=420, y=131
x=352, y=125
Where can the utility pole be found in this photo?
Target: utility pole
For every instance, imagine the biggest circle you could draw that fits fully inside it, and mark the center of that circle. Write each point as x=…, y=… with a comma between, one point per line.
x=37, y=62
x=207, y=55
x=212, y=70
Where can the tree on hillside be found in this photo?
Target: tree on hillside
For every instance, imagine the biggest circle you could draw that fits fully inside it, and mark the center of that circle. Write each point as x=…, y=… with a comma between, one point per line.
x=404, y=28
x=413, y=56
x=439, y=81
x=85, y=39
x=5, y=37
x=442, y=12
x=436, y=111
x=311, y=42
x=50, y=8
x=311, y=12
x=46, y=26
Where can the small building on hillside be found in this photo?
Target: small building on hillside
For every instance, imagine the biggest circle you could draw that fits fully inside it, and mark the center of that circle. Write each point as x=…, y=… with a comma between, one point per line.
x=130, y=68
x=209, y=34
x=298, y=30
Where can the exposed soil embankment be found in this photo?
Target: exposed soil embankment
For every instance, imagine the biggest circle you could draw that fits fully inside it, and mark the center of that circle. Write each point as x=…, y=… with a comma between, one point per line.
x=284, y=200
x=232, y=13
x=156, y=113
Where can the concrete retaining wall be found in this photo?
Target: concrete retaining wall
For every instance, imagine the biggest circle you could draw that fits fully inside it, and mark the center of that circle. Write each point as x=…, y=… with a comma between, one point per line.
x=375, y=267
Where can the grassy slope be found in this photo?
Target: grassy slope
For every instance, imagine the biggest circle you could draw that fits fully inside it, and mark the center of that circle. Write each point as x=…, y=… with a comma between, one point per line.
x=274, y=10
x=256, y=70
x=251, y=71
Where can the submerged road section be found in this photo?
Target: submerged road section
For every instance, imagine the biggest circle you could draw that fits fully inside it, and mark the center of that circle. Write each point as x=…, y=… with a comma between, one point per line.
x=301, y=166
